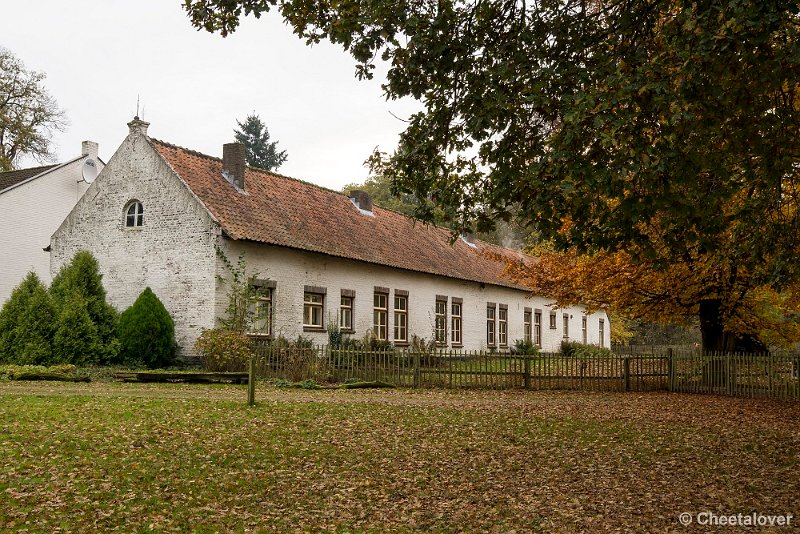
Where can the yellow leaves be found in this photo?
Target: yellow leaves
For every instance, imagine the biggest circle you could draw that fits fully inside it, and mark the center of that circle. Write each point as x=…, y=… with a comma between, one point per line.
x=665, y=294
x=619, y=328
x=772, y=316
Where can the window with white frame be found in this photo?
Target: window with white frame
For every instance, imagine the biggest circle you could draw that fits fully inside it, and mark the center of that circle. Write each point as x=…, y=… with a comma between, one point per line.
x=490, y=325
x=502, y=325
x=346, y=312
x=134, y=214
x=259, y=311
x=400, y=317
x=313, y=306
x=602, y=332
x=565, y=319
x=537, y=328
x=441, y=320
x=380, y=315
x=553, y=325
x=526, y=325
x=584, y=334
x=456, y=323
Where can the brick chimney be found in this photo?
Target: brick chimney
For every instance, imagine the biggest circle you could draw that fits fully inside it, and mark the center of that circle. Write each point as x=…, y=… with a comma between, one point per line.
x=233, y=163
x=361, y=199
x=138, y=127
x=89, y=148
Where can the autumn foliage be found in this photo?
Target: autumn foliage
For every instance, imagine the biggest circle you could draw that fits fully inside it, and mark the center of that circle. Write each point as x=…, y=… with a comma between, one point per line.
x=667, y=293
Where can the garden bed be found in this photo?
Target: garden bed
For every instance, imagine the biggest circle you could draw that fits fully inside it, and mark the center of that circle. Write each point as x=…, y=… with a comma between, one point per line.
x=182, y=376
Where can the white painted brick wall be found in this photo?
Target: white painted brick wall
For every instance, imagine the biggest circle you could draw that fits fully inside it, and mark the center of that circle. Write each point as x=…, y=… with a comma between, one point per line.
x=293, y=269
x=172, y=253
x=29, y=214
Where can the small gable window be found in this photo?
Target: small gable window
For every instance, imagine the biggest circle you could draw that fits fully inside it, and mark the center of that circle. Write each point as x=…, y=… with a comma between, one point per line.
x=134, y=214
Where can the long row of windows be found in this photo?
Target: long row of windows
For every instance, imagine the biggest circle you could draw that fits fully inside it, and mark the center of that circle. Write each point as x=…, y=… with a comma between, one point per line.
x=260, y=312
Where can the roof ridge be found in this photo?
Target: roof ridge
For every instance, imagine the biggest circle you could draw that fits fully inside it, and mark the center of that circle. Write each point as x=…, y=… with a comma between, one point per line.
x=249, y=167
x=31, y=168
x=298, y=180
x=413, y=219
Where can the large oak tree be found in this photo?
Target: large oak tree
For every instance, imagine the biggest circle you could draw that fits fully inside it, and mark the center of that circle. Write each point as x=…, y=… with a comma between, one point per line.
x=667, y=130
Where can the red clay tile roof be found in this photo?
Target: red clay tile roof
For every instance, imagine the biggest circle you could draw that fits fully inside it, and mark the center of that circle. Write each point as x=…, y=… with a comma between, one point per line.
x=10, y=178
x=291, y=213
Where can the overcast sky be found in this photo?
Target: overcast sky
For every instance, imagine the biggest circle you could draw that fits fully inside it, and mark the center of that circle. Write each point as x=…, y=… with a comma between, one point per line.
x=98, y=55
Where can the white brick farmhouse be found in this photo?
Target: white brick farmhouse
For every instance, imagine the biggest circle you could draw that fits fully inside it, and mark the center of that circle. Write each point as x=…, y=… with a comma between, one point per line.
x=160, y=215
x=33, y=202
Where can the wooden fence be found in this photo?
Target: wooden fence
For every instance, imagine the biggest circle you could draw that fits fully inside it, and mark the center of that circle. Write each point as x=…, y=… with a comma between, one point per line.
x=770, y=375
x=742, y=375
x=464, y=369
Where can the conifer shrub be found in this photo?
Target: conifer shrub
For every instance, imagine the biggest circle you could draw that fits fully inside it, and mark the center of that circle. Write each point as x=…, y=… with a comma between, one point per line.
x=146, y=333
x=76, y=340
x=27, y=324
x=82, y=276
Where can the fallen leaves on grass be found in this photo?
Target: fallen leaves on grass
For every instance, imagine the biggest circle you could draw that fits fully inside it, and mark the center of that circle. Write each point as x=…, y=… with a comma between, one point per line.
x=118, y=457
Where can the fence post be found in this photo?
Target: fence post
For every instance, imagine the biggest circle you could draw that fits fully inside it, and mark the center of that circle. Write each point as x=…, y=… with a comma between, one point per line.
x=670, y=370
x=416, y=369
x=251, y=382
x=450, y=364
x=626, y=372
x=527, y=371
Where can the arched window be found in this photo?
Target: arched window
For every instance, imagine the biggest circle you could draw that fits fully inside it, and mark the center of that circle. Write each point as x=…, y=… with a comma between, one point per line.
x=134, y=214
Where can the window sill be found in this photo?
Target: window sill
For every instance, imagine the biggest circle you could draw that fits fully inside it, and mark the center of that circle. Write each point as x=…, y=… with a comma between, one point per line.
x=313, y=329
x=401, y=344
x=347, y=331
x=457, y=346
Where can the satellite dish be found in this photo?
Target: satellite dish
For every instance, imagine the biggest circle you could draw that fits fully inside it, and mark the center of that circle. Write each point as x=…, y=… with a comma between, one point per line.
x=89, y=171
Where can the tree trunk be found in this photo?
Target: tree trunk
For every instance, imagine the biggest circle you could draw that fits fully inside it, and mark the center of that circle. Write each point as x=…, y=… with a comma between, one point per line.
x=711, y=328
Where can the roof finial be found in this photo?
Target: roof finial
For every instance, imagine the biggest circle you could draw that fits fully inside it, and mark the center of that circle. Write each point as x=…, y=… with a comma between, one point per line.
x=136, y=117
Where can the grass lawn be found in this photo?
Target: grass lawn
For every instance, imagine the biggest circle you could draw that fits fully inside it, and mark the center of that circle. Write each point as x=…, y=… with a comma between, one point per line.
x=170, y=457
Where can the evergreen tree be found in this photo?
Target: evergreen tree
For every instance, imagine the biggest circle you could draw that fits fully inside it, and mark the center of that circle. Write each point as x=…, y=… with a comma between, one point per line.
x=260, y=152
x=82, y=275
x=147, y=332
x=77, y=340
x=27, y=324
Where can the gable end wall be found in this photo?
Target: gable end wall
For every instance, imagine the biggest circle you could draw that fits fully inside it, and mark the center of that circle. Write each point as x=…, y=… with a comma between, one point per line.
x=172, y=253
x=29, y=213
